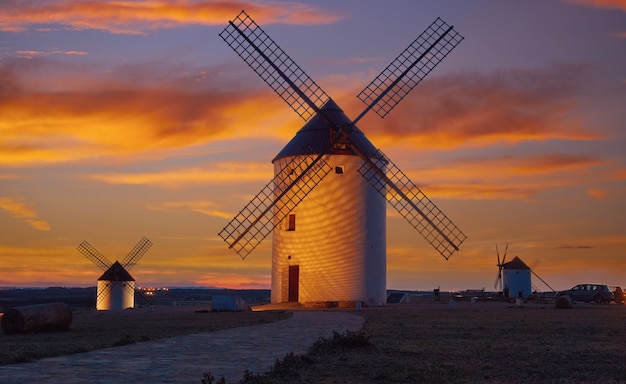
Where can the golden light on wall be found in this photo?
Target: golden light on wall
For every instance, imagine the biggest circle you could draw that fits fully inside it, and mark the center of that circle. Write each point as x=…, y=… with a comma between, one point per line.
x=335, y=239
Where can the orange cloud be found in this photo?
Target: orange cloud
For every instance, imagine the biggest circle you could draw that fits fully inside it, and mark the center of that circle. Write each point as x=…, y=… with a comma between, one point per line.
x=71, y=114
x=608, y=4
x=235, y=281
x=30, y=54
x=619, y=174
x=505, y=177
x=532, y=165
x=139, y=17
x=481, y=109
x=205, y=207
x=20, y=209
x=214, y=173
x=598, y=193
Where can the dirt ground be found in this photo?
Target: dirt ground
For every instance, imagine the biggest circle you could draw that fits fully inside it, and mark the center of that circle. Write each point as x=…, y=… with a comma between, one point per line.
x=424, y=341
x=100, y=329
x=493, y=342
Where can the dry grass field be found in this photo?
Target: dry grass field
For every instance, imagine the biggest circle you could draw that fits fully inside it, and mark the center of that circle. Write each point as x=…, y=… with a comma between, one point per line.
x=426, y=342
x=491, y=342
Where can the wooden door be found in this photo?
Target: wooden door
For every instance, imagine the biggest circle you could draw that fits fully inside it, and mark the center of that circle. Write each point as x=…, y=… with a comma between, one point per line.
x=294, y=278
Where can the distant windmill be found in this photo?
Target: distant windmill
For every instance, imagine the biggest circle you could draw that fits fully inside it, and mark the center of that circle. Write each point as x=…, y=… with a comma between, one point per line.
x=116, y=287
x=336, y=250
x=514, y=277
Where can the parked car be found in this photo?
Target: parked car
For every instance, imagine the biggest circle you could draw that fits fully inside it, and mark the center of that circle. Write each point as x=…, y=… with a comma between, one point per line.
x=618, y=292
x=599, y=293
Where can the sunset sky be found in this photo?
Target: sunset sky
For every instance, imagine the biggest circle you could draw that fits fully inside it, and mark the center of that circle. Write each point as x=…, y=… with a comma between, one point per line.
x=123, y=119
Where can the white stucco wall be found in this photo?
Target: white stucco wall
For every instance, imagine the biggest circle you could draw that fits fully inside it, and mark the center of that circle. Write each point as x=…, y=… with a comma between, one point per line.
x=339, y=242
x=517, y=280
x=114, y=295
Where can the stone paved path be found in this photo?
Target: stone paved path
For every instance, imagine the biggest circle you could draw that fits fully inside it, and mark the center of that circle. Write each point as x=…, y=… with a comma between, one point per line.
x=184, y=359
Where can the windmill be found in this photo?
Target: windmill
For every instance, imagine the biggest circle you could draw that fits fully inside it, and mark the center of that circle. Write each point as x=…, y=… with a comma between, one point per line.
x=116, y=287
x=336, y=249
x=514, y=277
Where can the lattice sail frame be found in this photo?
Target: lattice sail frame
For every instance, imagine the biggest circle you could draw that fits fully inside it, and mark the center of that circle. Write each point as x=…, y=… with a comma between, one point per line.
x=415, y=207
x=136, y=253
x=94, y=255
x=305, y=97
x=410, y=67
x=273, y=203
x=274, y=66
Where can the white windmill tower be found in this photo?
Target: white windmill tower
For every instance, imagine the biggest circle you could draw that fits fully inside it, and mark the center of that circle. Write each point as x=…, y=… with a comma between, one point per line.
x=331, y=246
x=116, y=287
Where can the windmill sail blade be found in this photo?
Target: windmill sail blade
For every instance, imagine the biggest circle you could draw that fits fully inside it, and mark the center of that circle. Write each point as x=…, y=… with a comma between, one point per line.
x=136, y=253
x=542, y=280
x=103, y=292
x=410, y=67
x=92, y=254
x=274, y=66
x=414, y=206
x=273, y=203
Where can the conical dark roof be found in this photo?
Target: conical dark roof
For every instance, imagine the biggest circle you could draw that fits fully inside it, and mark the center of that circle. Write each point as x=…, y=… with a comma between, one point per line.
x=315, y=136
x=516, y=263
x=116, y=273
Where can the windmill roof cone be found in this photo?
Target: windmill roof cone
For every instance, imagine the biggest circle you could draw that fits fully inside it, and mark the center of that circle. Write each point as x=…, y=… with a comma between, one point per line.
x=315, y=136
x=116, y=273
x=516, y=263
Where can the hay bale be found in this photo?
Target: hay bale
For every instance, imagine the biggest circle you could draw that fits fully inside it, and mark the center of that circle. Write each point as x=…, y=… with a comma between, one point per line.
x=563, y=302
x=37, y=318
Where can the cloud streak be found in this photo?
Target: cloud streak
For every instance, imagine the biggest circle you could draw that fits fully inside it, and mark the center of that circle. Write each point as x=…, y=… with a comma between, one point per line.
x=507, y=177
x=605, y=4
x=482, y=109
x=214, y=173
x=55, y=112
x=18, y=208
x=205, y=207
x=141, y=17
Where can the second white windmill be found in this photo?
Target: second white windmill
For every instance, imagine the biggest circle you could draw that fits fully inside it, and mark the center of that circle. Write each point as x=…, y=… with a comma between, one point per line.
x=116, y=287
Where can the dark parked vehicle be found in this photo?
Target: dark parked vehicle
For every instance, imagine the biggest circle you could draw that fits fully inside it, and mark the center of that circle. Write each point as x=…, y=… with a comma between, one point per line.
x=618, y=292
x=599, y=293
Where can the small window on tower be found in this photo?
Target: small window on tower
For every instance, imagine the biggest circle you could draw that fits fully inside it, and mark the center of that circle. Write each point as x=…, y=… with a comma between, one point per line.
x=339, y=169
x=291, y=222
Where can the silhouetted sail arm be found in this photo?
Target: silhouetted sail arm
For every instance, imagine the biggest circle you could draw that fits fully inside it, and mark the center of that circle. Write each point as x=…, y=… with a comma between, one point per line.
x=273, y=203
x=412, y=204
x=94, y=255
x=408, y=69
x=274, y=66
x=136, y=253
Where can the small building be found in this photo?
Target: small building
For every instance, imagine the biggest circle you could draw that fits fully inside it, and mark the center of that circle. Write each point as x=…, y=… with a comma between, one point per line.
x=516, y=279
x=116, y=289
